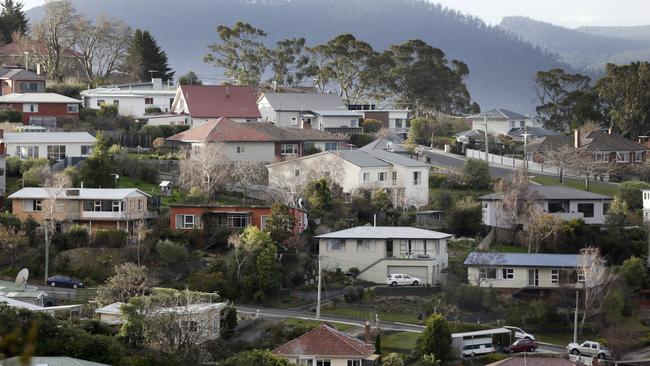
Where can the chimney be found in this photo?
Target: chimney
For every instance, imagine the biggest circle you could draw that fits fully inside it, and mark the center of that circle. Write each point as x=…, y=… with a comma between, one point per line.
x=576, y=138
x=366, y=336
x=156, y=83
x=38, y=69
x=227, y=91
x=82, y=185
x=609, y=130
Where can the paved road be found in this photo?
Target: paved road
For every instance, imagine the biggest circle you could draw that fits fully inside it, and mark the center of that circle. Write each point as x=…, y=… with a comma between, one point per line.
x=446, y=160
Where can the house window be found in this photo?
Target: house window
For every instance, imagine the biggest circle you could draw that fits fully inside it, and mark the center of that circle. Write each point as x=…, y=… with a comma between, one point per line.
x=238, y=220
x=394, y=178
x=512, y=124
x=86, y=149
x=602, y=157
x=354, y=123
x=56, y=152
x=116, y=206
x=522, y=124
x=330, y=146
x=116, y=102
x=555, y=276
x=606, y=207
x=638, y=156
x=364, y=245
x=366, y=177
x=32, y=205
x=398, y=123
x=508, y=273
x=354, y=362
x=25, y=152
x=306, y=361
x=188, y=222
x=581, y=278
x=417, y=178
x=148, y=101
x=294, y=121
x=132, y=205
x=289, y=149
x=323, y=362
x=263, y=220
x=487, y=273
x=381, y=176
x=240, y=149
x=587, y=209
x=100, y=102
x=622, y=156
x=97, y=206
x=296, y=172
x=141, y=204
x=336, y=245
x=25, y=87
x=30, y=108
x=73, y=108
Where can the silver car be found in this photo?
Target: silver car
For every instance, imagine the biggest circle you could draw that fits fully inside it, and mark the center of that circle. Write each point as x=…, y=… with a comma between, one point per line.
x=400, y=279
x=589, y=348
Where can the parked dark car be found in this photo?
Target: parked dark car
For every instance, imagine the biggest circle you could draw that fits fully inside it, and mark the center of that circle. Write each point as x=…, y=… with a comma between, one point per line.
x=63, y=281
x=522, y=345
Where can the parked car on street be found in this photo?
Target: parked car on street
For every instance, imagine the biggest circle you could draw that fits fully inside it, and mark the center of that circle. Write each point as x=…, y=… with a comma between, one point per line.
x=522, y=345
x=400, y=279
x=520, y=333
x=589, y=348
x=63, y=281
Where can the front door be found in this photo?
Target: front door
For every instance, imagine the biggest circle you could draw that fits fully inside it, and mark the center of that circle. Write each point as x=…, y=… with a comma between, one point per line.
x=533, y=277
x=389, y=248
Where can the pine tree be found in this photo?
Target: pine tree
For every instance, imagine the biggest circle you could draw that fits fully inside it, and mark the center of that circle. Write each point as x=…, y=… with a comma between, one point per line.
x=145, y=59
x=12, y=19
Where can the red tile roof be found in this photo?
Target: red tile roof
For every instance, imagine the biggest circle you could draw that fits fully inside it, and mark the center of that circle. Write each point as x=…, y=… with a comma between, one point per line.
x=214, y=101
x=226, y=130
x=325, y=341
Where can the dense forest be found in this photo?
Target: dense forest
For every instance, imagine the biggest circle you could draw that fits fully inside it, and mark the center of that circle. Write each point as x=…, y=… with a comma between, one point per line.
x=502, y=67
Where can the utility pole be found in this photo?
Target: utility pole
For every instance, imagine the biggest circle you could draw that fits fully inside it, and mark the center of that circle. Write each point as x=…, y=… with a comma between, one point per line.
x=526, y=134
x=575, y=321
x=487, y=151
x=320, y=275
x=47, y=249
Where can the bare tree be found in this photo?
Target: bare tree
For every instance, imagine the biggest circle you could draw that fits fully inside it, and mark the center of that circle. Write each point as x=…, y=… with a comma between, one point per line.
x=517, y=202
x=247, y=174
x=101, y=46
x=597, y=281
x=54, y=36
x=485, y=263
x=129, y=281
x=207, y=168
x=577, y=161
x=541, y=226
x=140, y=231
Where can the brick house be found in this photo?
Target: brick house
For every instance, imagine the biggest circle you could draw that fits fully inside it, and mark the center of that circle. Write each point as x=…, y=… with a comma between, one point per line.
x=211, y=220
x=14, y=80
x=42, y=109
x=94, y=208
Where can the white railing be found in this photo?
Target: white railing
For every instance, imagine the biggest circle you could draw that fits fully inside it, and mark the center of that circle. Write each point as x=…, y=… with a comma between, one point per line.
x=104, y=215
x=512, y=162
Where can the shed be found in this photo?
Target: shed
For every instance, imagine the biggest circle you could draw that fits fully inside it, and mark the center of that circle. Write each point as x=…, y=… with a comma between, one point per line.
x=166, y=188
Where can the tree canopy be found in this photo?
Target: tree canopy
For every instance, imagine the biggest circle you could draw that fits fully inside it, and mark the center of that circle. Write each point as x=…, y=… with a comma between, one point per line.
x=12, y=20
x=145, y=59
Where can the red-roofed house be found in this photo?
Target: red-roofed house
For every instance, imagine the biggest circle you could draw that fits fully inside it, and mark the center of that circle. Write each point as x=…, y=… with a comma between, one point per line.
x=17, y=53
x=326, y=346
x=257, y=141
x=42, y=109
x=206, y=102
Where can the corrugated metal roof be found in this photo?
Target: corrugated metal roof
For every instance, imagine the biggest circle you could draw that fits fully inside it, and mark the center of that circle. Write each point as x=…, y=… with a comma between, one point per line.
x=20, y=74
x=383, y=144
x=384, y=232
x=554, y=193
x=305, y=101
x=397, y=159
x=337, y=112
x=600, y=141
x=522, y=259
x=83, y=193
x=360, y=158
x=57, y=137
x=498, y=113
x=37, y=98
x=479, y=333
x=51, y=361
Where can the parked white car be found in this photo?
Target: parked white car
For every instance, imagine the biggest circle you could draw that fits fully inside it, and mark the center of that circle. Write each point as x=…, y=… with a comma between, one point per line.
x=401, y=279
x=520, y=333
x=589, y=348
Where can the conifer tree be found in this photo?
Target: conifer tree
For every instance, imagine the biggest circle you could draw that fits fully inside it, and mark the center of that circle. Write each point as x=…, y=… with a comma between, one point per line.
x=145, y=59
x=12, y=19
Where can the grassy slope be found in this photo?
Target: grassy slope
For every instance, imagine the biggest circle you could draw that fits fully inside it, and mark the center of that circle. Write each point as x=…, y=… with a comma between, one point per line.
x=608, y=189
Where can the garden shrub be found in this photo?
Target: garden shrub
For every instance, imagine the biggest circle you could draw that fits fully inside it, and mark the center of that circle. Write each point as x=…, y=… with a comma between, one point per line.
x=110, y=238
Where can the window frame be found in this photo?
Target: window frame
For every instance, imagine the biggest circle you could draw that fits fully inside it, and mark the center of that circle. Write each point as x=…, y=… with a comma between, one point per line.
x=148, y=101
x=284, y=149
x=555, y=276
x=336, y=245
x=586, y=214
x=57, y=155
x=508, y=273
x=365, y=177
x=72, y=108
x=381, y=176
x=30, y=107
x=417, y=178
x=240, y=149
x=623, y=156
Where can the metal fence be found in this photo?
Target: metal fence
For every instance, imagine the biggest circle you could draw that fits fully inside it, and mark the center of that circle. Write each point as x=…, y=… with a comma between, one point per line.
x=512, y=162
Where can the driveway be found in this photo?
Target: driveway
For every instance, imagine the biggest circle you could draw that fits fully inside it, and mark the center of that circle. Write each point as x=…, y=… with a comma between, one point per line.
x=448, y=160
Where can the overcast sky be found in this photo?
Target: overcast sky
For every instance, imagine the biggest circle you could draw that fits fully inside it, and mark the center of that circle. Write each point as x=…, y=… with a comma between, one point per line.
x=568, y=13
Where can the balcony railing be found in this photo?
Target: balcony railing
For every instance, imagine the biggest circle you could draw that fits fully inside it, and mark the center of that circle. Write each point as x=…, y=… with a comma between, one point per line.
x=118, y=215
x=347, y=130
x=413, y=254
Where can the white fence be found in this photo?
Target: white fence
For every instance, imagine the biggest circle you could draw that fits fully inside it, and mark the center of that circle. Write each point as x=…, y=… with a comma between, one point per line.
x=512, y=162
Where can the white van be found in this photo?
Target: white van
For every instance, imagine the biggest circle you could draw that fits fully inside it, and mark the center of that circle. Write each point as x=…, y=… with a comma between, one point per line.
x=477, y=346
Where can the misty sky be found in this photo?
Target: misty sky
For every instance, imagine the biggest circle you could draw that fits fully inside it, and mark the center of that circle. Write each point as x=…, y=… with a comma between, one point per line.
x=568, y=13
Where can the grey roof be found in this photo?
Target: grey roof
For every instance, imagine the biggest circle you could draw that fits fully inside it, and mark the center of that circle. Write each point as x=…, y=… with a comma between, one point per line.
x=532, y=132
x=384, y=232
x=397, y=159
x=37, y=98
x=360, y=158
x=305, y=101
x=76, y=193
x=20, y=74
x=554, y=193
x=522, y=259
x=58, y=137
x=498, y=113
x=337, y=113
x=50, y=361
x=550, y=143
x=383, y=143
x=600, y=141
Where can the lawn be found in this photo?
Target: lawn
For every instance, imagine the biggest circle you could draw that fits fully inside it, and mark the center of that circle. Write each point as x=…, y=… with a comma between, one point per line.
x=370, y=315
x=607, y=189
x=400, y=342
x=505, y=248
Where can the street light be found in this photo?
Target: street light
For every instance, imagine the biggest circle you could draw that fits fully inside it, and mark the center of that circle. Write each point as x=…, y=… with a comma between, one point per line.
x=525, y=135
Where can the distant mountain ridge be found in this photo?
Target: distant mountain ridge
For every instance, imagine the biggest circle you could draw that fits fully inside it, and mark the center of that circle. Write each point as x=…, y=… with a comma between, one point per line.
x=502, y=67
x=586, y=48
x=636, y=32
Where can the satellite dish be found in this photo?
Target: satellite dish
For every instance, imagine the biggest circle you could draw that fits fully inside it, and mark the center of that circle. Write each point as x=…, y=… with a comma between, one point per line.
x=21, y=278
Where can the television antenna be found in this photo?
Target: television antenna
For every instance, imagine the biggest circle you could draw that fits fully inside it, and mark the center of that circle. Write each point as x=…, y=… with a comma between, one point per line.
x=22, y=277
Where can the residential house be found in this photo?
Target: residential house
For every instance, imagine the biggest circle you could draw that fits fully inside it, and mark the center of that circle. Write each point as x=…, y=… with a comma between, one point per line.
x=211, y=220
x=320, y=111
x=645, y=194
x=26, y=293
x=521, y=270
x=49, y=361
x=395, y=120
x=48, y=307
x=378, y=251
x=15, y=80
x=405, y=179
x=51, y=145
x=562, y=202
x=257, y=141
x=501, y=121
x=326, y=346
x=135, y=100
x=385, y=144
x=202, y=103
x=200, y=317
x=94, y=208
x=42, y=109
x=28, y=55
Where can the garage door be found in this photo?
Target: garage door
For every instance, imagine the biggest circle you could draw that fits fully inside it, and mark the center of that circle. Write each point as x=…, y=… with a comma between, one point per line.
x=420, y=272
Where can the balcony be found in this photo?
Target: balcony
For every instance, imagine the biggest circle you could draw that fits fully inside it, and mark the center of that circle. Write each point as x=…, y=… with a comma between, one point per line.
x=345, y=130
x=117, y=215
x=413, y=254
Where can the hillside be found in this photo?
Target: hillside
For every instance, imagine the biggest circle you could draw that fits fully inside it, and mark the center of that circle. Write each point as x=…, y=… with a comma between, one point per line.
x=637, y=32
x=502, y=67
x=579, y=49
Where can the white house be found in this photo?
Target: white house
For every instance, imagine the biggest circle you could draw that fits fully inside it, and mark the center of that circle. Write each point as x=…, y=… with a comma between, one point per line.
x=645, y=194
x=520, y=270
x=321, y=111
x=395, y=120
x=50, y=145
x=405, y=179
x=132, y=99
x=501, y=121
x=378, y=251
x=562, y=202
